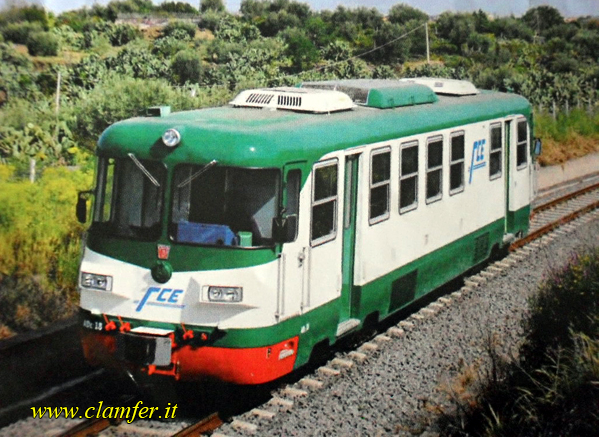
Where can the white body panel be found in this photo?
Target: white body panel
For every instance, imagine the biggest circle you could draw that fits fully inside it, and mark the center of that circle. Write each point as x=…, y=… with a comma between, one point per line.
x=131, y=283
x=307, y=275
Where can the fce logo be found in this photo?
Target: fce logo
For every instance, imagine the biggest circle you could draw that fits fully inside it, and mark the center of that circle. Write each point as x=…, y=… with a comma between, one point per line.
x=160, y=297
x=478, y=157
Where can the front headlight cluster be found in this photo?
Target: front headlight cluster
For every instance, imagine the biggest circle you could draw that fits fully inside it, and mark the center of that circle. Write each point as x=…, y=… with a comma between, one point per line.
x=225, y=294
x=95, y=281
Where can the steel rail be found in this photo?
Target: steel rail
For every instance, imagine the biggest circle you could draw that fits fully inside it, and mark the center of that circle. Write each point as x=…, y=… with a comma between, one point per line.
x=94, y=426
x=564, y=198
x=553, y=225
x=90, y=427
x=208, y=424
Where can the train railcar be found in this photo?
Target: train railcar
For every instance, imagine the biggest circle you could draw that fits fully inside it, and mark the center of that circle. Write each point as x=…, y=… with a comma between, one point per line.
x=231, y=242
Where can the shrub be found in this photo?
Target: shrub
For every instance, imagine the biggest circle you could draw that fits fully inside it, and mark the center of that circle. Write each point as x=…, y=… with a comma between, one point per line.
x=186, y=67
x=179, y=29
x=42, y=44
x=39, y=246
x=168, y=46
x=121, y=34
x=19, y=32
x=119, y=97
x=553, y=386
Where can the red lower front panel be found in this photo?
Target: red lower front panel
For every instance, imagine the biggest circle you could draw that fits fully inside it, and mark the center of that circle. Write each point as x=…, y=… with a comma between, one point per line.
x=235, y=365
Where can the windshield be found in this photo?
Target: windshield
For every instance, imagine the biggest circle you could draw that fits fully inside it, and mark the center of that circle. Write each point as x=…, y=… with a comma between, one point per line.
x=215, y=205
x=129, y=197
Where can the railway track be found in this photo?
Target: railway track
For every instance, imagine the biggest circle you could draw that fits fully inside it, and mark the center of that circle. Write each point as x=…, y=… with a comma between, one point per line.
x=546, y=218
x=93, y=427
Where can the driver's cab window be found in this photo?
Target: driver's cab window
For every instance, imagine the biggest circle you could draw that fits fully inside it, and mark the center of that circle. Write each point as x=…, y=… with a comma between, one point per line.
x=224, y=205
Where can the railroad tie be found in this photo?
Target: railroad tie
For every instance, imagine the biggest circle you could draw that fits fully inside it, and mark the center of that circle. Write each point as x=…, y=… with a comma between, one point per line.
x=240, y=425
x=263, y=414
x=357, y=356
x=311, y=383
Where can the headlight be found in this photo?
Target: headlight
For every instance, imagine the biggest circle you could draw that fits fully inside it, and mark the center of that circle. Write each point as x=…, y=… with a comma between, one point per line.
x=99, y=282
x=225, y=294
x=171, y=138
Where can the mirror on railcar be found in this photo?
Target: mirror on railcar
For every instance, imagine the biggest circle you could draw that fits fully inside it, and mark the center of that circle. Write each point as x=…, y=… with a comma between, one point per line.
x=538, y=146
x=285, y=228
x=81, y=210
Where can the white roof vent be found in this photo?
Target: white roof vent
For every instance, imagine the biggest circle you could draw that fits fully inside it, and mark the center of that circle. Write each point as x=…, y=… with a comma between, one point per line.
x=451, y=87
x=296, y=99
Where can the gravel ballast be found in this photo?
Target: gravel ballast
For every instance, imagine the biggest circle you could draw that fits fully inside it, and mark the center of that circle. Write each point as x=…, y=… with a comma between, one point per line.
x=394, y=390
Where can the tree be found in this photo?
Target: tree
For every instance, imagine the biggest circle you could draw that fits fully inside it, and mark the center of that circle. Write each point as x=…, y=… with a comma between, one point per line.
x=186, y=67
x=402, y=13
x=301, y=50
x=177, y=7
x=542, y=18
x=212, y=5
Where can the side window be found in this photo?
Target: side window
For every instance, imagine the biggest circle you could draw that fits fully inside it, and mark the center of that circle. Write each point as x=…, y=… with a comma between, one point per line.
x=380, y=175
x=408, y=177
x=104, y=200
x=456, y=163
x=434, y=169
x=294, y=182
x=522, y=147
x=324, y=202
x=495, y=153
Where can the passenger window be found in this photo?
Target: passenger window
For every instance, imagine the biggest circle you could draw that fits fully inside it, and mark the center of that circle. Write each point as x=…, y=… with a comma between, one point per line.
x=456, y=163
x=324, y=202
x=434, y=168
x=522, y=149
x=495, y=153
x=408, y=177
x=380, y=175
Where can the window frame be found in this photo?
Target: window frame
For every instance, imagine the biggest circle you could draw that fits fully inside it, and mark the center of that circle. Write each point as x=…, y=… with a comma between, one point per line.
x=103, y=213
x=402, y=177
x=439, y=168
x=524, y=143
x=335, y=199
x=288, y=186
x=497, y=151
x=452, y=162
x=385, y=216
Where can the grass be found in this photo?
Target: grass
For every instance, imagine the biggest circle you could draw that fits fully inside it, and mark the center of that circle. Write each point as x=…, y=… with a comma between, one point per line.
x=570, y=136
x=552, y=387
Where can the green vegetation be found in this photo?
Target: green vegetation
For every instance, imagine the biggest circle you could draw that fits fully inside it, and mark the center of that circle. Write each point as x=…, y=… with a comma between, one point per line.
x=39, y=247
x=552, y=388
x=106, y=70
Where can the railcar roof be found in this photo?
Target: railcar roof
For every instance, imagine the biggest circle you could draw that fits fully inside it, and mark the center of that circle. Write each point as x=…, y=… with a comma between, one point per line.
x=264, y=138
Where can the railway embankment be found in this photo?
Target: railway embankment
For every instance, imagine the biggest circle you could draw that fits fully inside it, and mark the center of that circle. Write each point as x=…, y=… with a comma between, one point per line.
x=559, y=176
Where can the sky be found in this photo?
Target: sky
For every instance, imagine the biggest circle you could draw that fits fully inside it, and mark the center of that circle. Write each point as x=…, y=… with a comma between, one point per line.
x=568, y=8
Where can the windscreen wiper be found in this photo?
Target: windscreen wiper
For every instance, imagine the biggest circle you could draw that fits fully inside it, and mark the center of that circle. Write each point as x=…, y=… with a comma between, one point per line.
x=198, y=173
x=143, y=169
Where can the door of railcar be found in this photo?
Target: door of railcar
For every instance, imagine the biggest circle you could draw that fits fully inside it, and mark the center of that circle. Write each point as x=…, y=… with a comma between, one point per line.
x=507, y=132
x=518, y=177
x=292, y=286
x=350, y=197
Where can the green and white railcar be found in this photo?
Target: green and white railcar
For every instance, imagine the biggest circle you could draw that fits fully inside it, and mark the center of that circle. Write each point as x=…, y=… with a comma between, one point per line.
x=230, y=242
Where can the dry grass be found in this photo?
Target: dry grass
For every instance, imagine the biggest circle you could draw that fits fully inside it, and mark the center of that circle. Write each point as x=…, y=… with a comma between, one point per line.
x=556, y=152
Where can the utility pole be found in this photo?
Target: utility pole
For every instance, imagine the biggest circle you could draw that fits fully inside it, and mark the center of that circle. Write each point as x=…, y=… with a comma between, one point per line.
x=428, y=55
